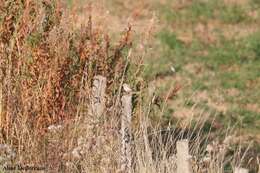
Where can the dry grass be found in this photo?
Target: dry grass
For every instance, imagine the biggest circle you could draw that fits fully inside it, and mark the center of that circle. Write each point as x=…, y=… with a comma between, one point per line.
x=49, y=57
x=47, y=67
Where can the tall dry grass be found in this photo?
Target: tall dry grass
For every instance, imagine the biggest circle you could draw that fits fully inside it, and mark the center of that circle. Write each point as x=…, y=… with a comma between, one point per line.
x=49, y=57
x=47, y=66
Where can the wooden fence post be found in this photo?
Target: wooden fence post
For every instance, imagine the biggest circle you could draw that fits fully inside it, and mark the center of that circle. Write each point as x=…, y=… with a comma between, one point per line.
x=241, y=170
x=98, y=96
x=97, y=106
x=183, y=157
x=126, y=118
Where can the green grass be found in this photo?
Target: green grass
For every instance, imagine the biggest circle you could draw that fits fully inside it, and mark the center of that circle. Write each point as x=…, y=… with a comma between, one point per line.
x=229, y=63
x=250, y=119
x=204, y=11
x=201, y=11
x=170, y=39
x=233, y=14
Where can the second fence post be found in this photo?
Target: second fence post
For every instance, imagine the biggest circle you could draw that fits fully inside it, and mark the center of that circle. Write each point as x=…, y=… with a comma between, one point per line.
x=126, y=118
x=183, y=157
x=241, y=170
x=98, y=96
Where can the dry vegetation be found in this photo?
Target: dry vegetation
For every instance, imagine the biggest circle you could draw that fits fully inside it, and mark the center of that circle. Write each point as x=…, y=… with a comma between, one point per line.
x=47, y=66
x=49, y=57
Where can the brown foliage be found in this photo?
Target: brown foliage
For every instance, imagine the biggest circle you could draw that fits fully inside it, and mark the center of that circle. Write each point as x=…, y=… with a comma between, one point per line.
x=47, y=65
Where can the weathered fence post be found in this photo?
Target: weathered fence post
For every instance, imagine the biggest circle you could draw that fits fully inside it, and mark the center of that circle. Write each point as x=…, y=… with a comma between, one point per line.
x=98, y=96
x=183, y=157
x=96, y=108
x=91, y=144
x=241, y=170
x=126, y=158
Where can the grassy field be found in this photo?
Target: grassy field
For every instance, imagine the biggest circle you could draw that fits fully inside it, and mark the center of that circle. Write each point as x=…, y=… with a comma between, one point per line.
x=220, y=59
x=212, y=50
